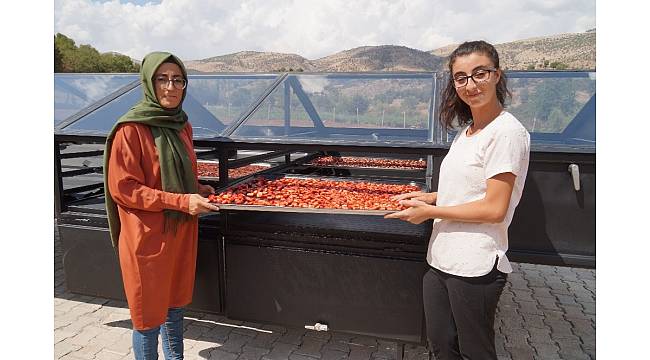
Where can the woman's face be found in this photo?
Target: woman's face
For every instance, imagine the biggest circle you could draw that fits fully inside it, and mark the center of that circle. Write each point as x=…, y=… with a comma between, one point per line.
x=480, y=90
x=169, y=93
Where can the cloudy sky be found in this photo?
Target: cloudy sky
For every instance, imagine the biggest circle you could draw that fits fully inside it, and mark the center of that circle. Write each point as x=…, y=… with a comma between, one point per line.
x=197, y=29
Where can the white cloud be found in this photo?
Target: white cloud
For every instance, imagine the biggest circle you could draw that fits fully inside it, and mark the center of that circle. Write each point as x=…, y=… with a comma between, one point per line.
x=196, y=29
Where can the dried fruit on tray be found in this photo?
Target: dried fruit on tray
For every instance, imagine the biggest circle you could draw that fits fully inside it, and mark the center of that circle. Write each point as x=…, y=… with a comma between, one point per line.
x=315, y=193
x=212, y=170
x=351, y=161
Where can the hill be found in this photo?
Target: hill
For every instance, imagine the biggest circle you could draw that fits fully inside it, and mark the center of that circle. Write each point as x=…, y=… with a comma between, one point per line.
x=562, y=51
x=379, y=58
x=566, y=51
x=251, y=61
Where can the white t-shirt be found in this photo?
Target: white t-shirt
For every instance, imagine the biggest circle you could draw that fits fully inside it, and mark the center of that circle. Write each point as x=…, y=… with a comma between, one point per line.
x=470, y=249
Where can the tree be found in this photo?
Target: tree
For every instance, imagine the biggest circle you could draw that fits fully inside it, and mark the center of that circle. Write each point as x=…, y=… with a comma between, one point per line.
x=358, y=102
x=410, y=104
x=556, y=122
x=117, y=63
x=58, y=59
x=66, y=48
x=283, y=69
x=87, y=60
x=322, y=101
x=552, y=103
x=64, y=43
x=70, y=58
x=559, y=65
x=240, y=97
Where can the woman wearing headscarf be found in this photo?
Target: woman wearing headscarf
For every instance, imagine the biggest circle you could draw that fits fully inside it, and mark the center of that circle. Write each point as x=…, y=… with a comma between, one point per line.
x=152, y=201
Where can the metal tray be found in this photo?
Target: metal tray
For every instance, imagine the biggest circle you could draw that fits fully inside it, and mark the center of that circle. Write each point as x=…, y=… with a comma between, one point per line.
x=363, y=167
x=351, y=167
x=216, y=178
x=303, y=210
x=314, y=210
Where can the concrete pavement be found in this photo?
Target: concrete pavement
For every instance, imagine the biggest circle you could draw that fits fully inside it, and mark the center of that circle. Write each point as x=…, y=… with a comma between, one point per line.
x=545, y=312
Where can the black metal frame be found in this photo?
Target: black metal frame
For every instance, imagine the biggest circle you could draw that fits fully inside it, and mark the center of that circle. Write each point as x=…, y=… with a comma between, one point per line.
x=226, y=144
x=222, y=147
x=59, y=193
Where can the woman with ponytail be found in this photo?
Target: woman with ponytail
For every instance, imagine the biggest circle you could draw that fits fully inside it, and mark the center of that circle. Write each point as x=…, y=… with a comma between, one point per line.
x=481, y=181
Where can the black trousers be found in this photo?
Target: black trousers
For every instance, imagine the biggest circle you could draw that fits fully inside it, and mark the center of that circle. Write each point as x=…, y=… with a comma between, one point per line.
x=459, y=313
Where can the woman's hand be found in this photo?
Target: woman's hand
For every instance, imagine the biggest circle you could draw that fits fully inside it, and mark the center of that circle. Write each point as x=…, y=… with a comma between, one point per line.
x=199, y=205
x=417, y=212
x=205, y=190
x=429, y=198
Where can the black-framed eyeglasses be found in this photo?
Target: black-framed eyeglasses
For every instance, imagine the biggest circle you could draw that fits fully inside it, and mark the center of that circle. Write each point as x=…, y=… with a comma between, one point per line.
x=478, y=76
x=163, y=82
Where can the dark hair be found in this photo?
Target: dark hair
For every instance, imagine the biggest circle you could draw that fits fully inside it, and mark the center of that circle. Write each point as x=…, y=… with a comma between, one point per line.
x=453, y=106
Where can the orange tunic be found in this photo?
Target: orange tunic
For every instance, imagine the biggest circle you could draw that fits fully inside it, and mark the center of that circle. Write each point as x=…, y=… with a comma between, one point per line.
x=157, y=267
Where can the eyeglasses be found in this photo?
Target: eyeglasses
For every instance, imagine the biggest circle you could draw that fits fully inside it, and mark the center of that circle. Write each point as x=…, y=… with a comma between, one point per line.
x=478, y=76
x=163, y=82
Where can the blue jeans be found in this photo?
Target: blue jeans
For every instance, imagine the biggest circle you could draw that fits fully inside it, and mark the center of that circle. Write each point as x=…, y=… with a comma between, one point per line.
x=145, y=342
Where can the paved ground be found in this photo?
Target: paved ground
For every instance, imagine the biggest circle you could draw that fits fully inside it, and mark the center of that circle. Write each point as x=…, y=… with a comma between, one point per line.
x=545, y=312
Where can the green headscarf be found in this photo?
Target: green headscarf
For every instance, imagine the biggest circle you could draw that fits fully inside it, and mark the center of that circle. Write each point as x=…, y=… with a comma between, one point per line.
x=175, y=166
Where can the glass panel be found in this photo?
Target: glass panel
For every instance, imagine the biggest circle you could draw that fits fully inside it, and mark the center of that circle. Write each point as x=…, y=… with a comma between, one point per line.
x=205, y=104
x=555, y=108
x=102, y=119
x=345, y=107
x=73, y=92
x=228, y=97
x=548, y=106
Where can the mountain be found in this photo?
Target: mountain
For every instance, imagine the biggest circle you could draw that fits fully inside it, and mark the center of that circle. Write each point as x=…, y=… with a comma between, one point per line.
x=379, y=58
x=444, y=51
x=365, y=58
x=573, y=50
x=251, y=61
x=562, y=51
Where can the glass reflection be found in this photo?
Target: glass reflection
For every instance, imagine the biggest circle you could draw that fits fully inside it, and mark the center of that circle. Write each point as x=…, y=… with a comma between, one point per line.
x=227, y=98
x=554, y=108
x=212, y=102
x=344, y=106
x=73, y=92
